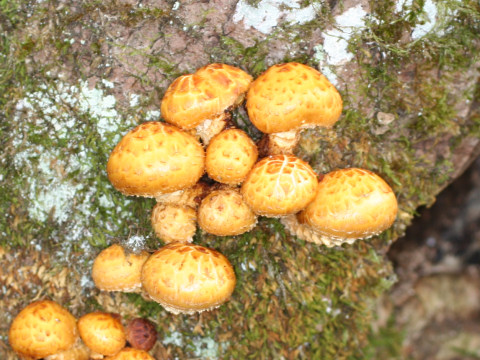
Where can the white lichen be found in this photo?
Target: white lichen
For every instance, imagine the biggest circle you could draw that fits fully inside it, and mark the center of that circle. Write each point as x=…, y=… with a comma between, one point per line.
x=429, y=20
x=268, y=13
x=336, y=40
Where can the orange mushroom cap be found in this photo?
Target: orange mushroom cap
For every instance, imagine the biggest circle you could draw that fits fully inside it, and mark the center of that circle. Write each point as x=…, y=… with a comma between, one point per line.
x=351, y=204
x=279, y=185
x=187, y=278
x=41, y=329
x=292, y=96
x=102, y=332
x=155, y=158
x=211, y=90
x=115, y=270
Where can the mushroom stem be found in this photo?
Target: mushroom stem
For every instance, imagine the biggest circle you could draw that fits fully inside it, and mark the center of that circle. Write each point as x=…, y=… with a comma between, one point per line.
x=188, y=197
x=306, y=233
x=282, y=143
x=211, y=127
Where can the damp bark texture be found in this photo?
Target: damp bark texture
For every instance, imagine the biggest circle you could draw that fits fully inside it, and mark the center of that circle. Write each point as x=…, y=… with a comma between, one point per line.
x=76, y=76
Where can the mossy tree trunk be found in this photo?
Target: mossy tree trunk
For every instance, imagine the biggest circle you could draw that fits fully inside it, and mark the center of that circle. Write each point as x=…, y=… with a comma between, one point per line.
x=75, y=76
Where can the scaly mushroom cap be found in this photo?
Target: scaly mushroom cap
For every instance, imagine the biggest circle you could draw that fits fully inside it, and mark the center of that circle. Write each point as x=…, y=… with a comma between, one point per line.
x=279, y=185
x=230, y=156
x=292, y=96
x=224, y=213
x=207, y=93
x=114, y=270
x=41, y=329
x=351, y=204
x=102, y=332
x=174, y=222
x=131, y=354
x=187, y=278
x=155, y=158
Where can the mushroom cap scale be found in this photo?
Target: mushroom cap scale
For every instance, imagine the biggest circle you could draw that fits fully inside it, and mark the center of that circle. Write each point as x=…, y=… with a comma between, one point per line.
x=279, y=185
x=351, y=203
x=190, y=99
x=41, y=329
x=292, y=96
x=225, y=213
x=230, y=156
x=102, y=332
x=187, y=278
x=115, y=270
x=155, y=158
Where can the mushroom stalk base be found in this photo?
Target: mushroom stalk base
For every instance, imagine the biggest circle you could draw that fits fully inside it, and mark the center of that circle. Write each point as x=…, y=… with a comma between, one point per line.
x=211, y=127
x=282, y=143
x=305, y=232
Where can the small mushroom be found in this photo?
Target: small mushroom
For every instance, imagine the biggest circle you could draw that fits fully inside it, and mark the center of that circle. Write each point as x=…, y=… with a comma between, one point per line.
x=187, y=278
x=225, y=213
x=141, y=334
x=103, y=333
x=287, y=98
x=174, y=222
x=154, y=159
x=131, y=354
x=279, y=185
x=230, y=156
x=202, y=100
x=43, y=328
x=350, y=204
x=116, y=270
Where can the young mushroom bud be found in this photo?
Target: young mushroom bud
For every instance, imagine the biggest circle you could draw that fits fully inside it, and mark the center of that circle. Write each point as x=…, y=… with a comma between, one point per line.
x=279, y=185
x=230, y=156
x=43, y=328
x=202, y=100
x=131, y=354
x=174, y=222
x=116, y=270
x=103, y=333
x=225, y=213
x=187, y=278
x=287, y=98
x=141, y=334
x=350, y=204
x=155, y=159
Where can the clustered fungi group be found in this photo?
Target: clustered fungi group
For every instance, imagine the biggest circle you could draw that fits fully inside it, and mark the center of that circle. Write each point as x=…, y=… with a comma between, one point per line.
x=168, y=161
x=45, y=329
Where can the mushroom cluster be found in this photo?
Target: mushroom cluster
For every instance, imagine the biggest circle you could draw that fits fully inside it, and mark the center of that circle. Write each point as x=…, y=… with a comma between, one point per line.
x=46, y=330
x=203, y=170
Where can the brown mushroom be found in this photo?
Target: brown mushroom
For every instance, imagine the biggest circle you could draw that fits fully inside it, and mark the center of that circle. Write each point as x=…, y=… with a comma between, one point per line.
x=43, y=328
x=103, y=333
x=229, y=156
x=141, y=334
x=116, y=270
x=225, y=213
x=202, y=100
x=187, y=278
x=287, y=98
x=279, y=185
x=349, y=204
